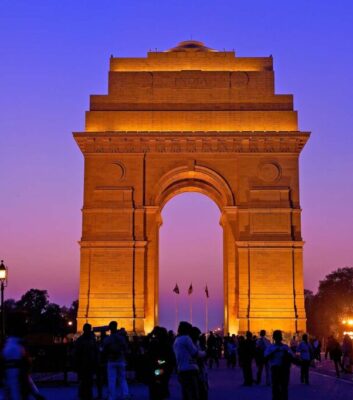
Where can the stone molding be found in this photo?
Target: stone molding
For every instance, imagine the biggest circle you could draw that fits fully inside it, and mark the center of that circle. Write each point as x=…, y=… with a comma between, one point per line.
x=112, y=243
x=268, y=244
x=191, y=142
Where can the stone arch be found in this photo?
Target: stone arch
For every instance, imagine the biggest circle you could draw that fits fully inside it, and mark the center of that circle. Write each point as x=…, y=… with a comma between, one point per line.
x=188, y=178
x=197, y=179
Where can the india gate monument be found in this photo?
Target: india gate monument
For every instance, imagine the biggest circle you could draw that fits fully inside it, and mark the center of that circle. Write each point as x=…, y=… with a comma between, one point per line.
x=192, y=119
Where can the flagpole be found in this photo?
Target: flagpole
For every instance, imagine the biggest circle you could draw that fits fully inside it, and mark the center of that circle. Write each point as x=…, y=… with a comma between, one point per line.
x=176, y=291
x=206, y=316
x=176, y=313
x=190, y=309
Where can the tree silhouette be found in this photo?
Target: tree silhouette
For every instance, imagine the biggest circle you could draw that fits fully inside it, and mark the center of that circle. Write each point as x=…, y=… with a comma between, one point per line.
x=34, y=301
x=33, y=313
x=33, y=304
x=332, y=303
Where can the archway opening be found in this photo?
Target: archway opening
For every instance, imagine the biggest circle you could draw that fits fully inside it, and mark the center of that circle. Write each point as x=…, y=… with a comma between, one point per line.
x=190, y=252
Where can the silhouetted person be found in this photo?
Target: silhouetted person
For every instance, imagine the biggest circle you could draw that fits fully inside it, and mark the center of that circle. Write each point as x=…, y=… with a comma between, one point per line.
x=261, y=362
x=115, y=349
x=186, y=354
x=347, y=353
x=231, y=346
x=203, y=342
x=294, y=344
x=101, y=373
x=86, y=358
x=160, y=363
x=203, y=376
x=279, y=356
x=317, y=349
x=246, y=355
x=226, y=340
x=333, y=348
x=212, y=350
x=18, y=383
x=305, y=352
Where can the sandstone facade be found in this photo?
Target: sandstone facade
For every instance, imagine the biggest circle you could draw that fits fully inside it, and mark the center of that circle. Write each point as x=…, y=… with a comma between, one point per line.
x=192, y=119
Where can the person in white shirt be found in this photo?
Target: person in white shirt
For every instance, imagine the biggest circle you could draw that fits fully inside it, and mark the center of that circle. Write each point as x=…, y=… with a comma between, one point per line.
x=17, y=379
x=186, y=354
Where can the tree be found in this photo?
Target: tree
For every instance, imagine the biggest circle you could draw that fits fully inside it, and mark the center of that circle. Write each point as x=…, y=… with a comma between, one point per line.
x=52, y=320
x=332, y=303
x=70, y=315
x=10, y=305
x=34, y=303
x=14, y=318
x=33, y=313
x=310, y=310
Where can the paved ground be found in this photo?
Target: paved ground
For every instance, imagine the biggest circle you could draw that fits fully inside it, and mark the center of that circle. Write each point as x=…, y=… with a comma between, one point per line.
x=226, y=385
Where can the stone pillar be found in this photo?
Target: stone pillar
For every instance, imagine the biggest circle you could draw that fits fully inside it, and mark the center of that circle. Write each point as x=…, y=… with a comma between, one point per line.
x=270, y=286
x=230, y=270
x=110, y=286
x=153, y=222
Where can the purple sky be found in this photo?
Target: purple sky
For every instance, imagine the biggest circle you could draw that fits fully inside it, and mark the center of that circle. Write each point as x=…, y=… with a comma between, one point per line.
x=55, y=53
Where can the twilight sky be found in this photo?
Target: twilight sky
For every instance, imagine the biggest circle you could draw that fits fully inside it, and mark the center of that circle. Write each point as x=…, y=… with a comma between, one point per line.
x=54, y=54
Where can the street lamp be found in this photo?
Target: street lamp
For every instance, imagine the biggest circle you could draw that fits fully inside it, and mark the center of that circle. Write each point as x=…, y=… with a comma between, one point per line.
x=3, y=283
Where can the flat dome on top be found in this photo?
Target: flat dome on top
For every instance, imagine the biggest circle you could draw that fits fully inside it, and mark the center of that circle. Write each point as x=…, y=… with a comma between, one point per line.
x=190, y=46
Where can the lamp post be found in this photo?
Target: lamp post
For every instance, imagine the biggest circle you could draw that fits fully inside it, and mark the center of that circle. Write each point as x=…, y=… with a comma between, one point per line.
x=3, y=283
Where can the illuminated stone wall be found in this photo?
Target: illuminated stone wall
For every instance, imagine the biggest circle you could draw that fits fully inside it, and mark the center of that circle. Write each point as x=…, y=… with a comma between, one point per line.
x=192, y=119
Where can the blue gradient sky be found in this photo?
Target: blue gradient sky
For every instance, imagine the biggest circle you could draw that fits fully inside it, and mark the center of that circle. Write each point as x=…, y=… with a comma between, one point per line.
x=55, y=53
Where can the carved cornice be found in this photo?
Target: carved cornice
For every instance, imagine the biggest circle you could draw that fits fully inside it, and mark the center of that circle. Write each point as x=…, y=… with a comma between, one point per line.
x=191, y=142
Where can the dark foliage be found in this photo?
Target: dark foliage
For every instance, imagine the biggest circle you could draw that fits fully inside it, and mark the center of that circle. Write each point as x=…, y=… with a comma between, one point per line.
x=332, y=303
x=34, y=314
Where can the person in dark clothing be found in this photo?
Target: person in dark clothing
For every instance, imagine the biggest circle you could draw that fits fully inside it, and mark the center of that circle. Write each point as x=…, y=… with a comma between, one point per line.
x=86, y=357
x=202, y=342
x=226, y=340
x=333, y=348
x=305, y=351
x=203, y=377
x=280, y=357
x=246, y=355
x=160, y=362
x=347, y=353
x=316, y=344
x=231, y=351
x=101, y=373
x=212, y=350
x=261, y=345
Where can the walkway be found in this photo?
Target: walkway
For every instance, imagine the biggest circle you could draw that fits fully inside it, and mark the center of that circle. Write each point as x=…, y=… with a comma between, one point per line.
x=226, y=385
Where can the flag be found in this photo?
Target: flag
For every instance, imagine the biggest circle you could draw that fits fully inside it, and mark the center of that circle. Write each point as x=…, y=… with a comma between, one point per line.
x=206, y=291
x=176, y=289
x=190, y=290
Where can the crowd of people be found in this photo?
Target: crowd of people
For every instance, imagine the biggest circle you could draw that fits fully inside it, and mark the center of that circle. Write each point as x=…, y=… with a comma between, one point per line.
x=190, y=353
x=341, y=355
